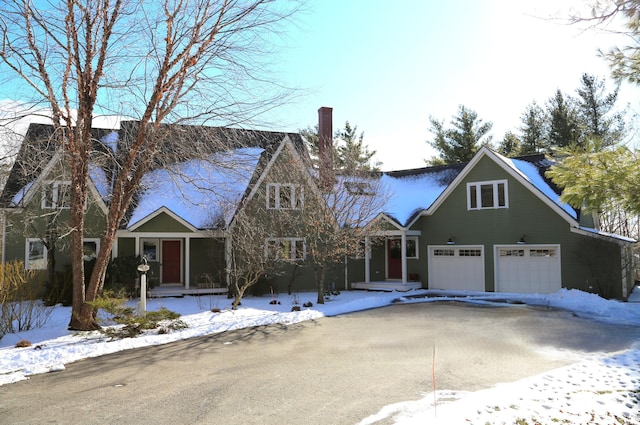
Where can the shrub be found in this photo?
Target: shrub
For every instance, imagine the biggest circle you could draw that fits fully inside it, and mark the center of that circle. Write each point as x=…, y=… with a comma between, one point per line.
x=121, y=274
x=20, y=310
x=132, y=324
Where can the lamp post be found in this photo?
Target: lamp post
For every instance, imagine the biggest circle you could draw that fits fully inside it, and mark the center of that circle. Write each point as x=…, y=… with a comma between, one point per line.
x=143, y=268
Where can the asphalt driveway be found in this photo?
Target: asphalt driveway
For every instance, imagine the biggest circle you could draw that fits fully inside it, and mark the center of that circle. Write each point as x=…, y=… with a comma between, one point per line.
x=335, y=370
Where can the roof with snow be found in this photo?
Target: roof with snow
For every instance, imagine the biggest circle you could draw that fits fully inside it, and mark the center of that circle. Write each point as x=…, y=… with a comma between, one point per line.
x=414, y=191
x=203, y=192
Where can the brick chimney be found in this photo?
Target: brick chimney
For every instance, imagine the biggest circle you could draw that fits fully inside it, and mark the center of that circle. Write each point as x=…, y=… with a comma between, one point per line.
x=325, y=147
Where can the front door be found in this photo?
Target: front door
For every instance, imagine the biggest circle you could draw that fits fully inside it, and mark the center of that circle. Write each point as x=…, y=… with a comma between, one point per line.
x=171, y=258
x=394, y=258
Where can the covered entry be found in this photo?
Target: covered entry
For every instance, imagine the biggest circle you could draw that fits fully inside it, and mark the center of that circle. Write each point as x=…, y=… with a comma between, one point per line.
x=459, y=268
x=528, y=268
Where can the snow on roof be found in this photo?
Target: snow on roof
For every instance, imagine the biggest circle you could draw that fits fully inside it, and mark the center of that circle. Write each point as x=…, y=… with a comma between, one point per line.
x=607, y=234
x=111, y=140
x=20, y=194
x=204, y=193
x=99, y=178
x=532, y=174
x=411, y=194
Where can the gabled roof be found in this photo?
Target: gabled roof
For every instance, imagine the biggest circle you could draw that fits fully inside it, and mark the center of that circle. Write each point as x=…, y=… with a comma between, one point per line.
x=421, y=191
x=528, y=170
x=34, y=159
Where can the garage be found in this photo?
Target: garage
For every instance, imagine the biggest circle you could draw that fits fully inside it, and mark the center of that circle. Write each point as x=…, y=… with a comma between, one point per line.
x=458, y=268
x=528, y=269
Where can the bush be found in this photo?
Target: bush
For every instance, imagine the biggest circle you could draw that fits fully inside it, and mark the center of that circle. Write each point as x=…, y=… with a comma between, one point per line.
x=132, y=324
x=121, y=274
x=20, y=310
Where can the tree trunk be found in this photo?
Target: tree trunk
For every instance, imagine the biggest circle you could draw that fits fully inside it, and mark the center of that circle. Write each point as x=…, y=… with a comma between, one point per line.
x=320, y=272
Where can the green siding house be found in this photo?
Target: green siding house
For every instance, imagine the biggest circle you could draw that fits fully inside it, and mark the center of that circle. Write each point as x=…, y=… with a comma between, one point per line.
x=494, y=224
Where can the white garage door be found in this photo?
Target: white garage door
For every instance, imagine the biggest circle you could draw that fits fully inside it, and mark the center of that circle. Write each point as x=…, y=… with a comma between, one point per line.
x=528, y=269
x=459, y=268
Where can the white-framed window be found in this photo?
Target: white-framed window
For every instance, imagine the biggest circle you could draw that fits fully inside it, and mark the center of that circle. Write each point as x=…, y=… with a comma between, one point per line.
x=56, y=194
x=90, y=248
x=288, y=249
x=487, y=195
x=412, y=248
x=285, y=196
x=149, y=249
x=35, y=257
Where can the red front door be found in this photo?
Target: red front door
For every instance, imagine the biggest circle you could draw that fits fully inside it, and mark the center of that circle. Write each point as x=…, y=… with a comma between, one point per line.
x=394, y=258
x=171, y=262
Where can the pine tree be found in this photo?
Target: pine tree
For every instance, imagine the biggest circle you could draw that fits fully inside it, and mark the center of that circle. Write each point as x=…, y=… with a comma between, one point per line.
x=563, y=126
x=595, y=109
x=532, y=131
x=510, y=145
x=461, y=142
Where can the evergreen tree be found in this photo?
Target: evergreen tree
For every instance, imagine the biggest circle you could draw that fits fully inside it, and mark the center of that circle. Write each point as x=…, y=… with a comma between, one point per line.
x=353, y=154
x=510, y=145
x=532, y=131
x=350, y=153
x=563, y=124
x=595, y=112
x=461, y=142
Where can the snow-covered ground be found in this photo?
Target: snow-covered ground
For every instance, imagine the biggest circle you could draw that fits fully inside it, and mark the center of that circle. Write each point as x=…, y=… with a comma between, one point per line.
x=598, y=389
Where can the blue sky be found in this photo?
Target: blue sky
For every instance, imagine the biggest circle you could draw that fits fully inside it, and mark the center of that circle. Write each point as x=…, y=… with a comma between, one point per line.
x=387, y=68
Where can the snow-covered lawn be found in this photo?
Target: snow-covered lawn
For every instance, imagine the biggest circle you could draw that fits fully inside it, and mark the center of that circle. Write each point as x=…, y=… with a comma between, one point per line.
x=595, y=390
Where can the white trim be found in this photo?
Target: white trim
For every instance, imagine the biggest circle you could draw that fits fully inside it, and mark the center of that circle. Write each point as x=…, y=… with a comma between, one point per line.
x=155, y=214
x=495, y=184
x=42, y=264
x=293, y=253
x=525, y=247
x=94, y=240
x=182, y=279
x=141, y=252
x=54, y=187
x=456, y=249
x=485, y=151
x=296, y=196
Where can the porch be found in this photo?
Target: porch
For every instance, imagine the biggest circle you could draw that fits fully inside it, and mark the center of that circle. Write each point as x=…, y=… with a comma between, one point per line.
x=387, y=285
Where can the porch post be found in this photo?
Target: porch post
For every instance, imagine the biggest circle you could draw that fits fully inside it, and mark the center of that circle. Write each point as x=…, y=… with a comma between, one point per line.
x=187, y=262
x=403, y=250
x=367, y=250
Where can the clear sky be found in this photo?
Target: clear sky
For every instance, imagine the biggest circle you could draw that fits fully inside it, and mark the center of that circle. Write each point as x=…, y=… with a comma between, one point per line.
x=386, y=67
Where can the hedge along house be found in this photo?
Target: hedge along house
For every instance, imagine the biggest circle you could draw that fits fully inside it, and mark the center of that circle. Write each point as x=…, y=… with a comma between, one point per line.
x=494, y=224
x=180, y=218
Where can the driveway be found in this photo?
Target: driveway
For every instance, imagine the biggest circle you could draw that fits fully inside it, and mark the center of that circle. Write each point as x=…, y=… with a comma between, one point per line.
x=335, y=370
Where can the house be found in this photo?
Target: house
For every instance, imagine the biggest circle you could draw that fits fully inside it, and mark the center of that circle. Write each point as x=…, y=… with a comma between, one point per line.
x=494, y=224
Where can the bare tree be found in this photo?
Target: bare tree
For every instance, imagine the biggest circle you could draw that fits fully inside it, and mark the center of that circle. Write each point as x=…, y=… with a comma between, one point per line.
x=340, y=222
x=153, y=61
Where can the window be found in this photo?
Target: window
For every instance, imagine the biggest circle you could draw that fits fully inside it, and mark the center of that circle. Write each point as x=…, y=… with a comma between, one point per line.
x=90, y=248
x=149, y=249
x=412, y=248
x=487, y=195
x=511, y=252
x=444, y=252
x=56, y=195
x=285, y=196
x=288, y=249
x=470, y=253
x=542, y=253
x=36, y=255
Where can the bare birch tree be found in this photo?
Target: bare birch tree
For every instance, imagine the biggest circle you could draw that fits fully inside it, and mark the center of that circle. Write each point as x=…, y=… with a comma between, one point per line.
x=156, y=62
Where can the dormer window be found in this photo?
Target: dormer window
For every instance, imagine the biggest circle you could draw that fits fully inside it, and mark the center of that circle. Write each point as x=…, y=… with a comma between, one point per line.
x=487, y=195
x=56, y=195
x=285, y=196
